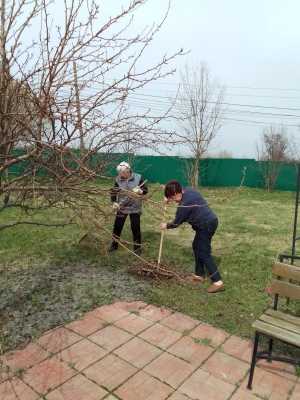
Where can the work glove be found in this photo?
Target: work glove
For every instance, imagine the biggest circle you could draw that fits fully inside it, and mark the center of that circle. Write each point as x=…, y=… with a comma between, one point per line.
x=137, y=190
x=116, y=206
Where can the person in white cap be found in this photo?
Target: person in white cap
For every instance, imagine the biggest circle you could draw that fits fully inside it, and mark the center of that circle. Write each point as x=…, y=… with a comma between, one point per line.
x=126, y=197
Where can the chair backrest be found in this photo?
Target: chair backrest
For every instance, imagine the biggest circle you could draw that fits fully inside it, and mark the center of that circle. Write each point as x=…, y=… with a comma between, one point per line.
x=286, y=281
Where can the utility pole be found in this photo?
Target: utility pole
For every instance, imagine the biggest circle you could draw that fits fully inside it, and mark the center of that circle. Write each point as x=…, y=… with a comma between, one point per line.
x=79, y=120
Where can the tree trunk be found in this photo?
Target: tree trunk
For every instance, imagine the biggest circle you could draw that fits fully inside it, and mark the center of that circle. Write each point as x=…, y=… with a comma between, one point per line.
x=195, y=173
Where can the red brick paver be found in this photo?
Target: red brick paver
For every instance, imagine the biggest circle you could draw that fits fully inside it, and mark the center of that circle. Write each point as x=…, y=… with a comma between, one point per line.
x=110, y=337
x=180, y=322
x=204, y=386
x=48, y=375
x=4, y=373
x=109, y=313
x=192, y=352
x=279, y=368
x=138, y=352
x=133, y=324
x=133, y=306
x=270, y=386
x=86, y=326
x=238, y=348
x=178, y=396
x=135, y=351
x=82, y=354
x=58, y=339
x=15, y=389
x=153, y=313
x=143, y=386
x=161, y=336
x=244, y=394
x=226, y=367
x=169, y=369
x=25, y=358
x=78, y=388
x=209, y=335
x=296, y=393
x=110, y=372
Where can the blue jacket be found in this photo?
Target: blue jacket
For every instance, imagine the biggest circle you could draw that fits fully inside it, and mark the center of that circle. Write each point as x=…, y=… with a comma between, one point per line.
x=192, y=209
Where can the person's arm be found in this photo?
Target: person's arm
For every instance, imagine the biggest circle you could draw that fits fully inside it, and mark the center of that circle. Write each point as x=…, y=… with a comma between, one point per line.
x=143, y=186
x=181, y=216
x=113, y=193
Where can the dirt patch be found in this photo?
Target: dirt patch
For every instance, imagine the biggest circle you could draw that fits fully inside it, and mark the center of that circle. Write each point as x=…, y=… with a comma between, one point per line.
x=34, y=300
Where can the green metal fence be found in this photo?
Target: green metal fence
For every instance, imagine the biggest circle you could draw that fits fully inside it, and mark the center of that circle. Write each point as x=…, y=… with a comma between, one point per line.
x=213, y=172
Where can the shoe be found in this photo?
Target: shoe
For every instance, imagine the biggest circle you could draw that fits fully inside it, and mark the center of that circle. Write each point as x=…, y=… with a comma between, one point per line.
x=216, y=288
x=112, y=248
x=138, y=251
x=197, y=278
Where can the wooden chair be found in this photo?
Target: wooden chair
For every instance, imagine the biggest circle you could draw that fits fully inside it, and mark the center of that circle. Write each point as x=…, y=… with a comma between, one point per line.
x=275, y=324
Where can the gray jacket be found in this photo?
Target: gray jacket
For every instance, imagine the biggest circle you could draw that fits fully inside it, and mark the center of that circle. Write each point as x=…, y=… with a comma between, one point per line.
x=120, y=193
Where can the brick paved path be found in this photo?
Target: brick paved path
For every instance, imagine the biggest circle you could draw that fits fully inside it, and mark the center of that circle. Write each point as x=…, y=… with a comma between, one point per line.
x=135, y=351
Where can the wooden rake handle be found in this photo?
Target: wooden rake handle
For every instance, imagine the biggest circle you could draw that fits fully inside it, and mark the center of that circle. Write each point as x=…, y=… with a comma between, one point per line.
x=161, y=239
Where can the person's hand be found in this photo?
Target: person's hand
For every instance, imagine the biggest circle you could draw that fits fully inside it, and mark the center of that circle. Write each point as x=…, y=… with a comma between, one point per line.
x=137, y=190
x=163, y=226
x=116, y=206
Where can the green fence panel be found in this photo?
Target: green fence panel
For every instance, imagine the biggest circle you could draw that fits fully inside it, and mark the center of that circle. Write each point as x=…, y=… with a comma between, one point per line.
x=227, y=172
x=160, y=169
x=287, y=177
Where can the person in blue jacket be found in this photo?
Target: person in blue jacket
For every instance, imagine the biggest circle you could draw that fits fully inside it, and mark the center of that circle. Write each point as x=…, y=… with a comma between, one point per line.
x=193, y=209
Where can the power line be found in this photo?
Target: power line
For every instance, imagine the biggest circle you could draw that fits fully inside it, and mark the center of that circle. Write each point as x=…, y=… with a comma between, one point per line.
x=167, y=101
x=268, y=88
x=262, y=96
x=158, y=102
x=255, y=122
x=224, y=103
x=250, y=95
x=172, y=98
x=162, y=105
x=235, y=87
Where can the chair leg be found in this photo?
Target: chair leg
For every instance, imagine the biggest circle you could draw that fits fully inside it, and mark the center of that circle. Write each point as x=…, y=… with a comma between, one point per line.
x=253, y=362
x=270, y=350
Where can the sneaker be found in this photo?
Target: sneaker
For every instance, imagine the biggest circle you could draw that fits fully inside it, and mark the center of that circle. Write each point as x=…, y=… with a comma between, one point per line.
x=216, y=288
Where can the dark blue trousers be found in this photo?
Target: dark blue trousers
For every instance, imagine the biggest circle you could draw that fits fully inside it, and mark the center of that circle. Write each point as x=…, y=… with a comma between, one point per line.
x=204, y=263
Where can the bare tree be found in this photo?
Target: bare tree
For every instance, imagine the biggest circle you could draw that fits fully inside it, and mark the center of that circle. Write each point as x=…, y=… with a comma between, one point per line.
x=224, y=154
x=220, y=154
x=68, y=88
x=294, y=149
x=273, y=149
x=129, y=146
x=200, y=114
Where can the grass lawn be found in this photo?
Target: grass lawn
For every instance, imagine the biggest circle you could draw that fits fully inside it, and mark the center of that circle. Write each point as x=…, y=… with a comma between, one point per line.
x=48, y=279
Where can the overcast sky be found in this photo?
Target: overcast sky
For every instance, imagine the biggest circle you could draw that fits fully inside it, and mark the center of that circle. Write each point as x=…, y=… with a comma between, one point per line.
x=250, y=46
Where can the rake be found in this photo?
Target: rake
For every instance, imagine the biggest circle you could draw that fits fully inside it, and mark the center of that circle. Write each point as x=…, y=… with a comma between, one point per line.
x=162, y=234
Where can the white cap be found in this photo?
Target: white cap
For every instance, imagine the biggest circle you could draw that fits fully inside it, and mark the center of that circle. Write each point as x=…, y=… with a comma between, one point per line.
x=123, y=166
